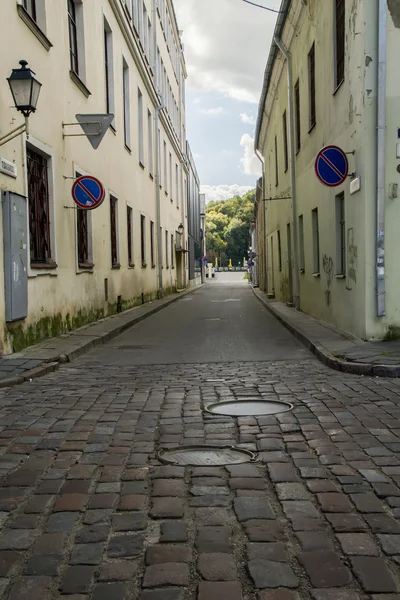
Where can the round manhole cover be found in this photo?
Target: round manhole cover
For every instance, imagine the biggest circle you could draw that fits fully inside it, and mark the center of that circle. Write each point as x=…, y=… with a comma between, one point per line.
x=245, y=408
x=205, y=455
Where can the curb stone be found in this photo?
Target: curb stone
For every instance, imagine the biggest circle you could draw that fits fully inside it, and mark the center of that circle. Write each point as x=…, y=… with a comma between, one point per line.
x=355, y=368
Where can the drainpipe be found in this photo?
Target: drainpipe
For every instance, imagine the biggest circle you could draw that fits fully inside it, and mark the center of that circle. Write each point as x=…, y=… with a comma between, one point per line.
x=263, y=223
x=157, y=144
x=381, y=159
x=288, y=58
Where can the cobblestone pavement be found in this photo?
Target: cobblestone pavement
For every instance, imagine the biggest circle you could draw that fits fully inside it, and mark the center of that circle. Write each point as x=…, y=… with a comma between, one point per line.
x=89, y=513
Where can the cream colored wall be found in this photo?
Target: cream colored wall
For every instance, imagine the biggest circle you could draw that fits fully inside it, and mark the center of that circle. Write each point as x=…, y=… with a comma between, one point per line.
x=344, y=118
x=67, y=289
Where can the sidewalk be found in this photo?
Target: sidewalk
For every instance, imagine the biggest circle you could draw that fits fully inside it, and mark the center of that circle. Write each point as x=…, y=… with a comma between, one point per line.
x=46, y=356
x=335, y=348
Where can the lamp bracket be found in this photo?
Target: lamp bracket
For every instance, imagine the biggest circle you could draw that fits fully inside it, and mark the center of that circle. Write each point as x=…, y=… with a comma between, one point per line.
x=17, y=131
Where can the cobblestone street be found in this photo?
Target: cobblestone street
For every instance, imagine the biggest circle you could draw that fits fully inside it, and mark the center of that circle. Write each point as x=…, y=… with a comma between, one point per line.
x=89, y=513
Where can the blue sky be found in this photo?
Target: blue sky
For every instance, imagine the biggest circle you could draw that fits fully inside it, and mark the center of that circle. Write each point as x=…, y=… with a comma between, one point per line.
x=226, y=49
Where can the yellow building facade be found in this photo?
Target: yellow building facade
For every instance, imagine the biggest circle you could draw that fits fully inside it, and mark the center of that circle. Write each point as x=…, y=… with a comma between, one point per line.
x=120, y=57
x=332, y=251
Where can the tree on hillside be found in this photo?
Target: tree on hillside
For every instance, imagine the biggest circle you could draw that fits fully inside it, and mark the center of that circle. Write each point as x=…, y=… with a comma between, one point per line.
x=227, y=228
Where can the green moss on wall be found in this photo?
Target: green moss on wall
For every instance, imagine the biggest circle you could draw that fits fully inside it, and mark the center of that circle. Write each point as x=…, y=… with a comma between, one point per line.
x=393, y=333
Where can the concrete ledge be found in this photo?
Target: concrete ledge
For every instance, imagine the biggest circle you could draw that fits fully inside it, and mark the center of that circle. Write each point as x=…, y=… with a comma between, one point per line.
x=324, y=354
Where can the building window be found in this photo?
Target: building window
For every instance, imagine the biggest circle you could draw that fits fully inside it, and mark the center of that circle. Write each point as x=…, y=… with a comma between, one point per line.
x=170, y=174
x=150, y=140
x=143, y=240
x=340, y=236
x=172, y=251
x=114, y=231
x=301, y=244
x=311, y=83
x=129, y=221
x=285, y=141
x=140, y=127
x=109, y=69
x=159, y=174
x=315, y=237
x=339, y=41
x=135, y=14
x=73, y=37
x=279, y=251
x=165, y=169
x=177, y=185
x=39, y=208
x=83, y=238
x=152, y=244
x=276, y=162
x=166, y=250
x=30, y=7
x=126, y=101
x=297, y=114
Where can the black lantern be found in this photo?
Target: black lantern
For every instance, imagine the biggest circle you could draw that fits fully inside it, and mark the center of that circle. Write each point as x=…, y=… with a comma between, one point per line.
x=180, y=229
x=25, y=89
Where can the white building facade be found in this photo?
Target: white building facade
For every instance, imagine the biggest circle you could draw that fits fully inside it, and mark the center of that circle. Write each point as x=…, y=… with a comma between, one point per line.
x=120, y=57
x=332, y=251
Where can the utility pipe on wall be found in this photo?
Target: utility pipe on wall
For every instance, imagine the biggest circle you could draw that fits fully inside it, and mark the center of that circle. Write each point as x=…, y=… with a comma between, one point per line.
x=288, y=58
x=157, y=144
x=381, y=160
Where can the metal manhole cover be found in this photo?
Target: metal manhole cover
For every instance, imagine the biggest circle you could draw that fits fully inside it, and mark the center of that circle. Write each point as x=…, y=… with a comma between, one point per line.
x=245, y=408
x=205, y=455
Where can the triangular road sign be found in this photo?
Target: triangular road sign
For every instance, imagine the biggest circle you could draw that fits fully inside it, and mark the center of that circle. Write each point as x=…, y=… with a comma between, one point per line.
x=95, y=126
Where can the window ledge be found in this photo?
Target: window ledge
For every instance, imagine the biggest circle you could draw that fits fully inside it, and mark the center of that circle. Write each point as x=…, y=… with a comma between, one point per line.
x=339, y=85
x=340, y=276
x=153, y=266
x=34, y=27
x=313, y=126
x=302, y=271
x=141, y=165
x=116, y=266
x=127, y=148
x=78, y=81
x=131, y=265
x=48, y=266
x=144, y=265
x=86, y=266
x=316, y=274
x=151, y=176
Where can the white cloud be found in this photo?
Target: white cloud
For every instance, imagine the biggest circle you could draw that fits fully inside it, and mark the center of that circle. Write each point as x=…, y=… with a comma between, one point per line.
x=224, y=192
x=247, y=119
x=228, y=59
x=250, y=163
x=212, y=112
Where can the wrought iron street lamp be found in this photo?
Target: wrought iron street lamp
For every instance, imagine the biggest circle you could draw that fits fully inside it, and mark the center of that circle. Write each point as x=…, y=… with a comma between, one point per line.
x=25, y=90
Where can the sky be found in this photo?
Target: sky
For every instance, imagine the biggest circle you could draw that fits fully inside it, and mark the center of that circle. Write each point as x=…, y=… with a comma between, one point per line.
x=226, y=47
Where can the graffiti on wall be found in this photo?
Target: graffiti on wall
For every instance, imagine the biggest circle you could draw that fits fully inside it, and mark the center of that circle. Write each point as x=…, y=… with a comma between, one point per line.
x=327, y=266
x=352, y=252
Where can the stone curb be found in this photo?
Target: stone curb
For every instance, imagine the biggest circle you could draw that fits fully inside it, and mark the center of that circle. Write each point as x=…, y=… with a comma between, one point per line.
x=47, y=367
x=325, y=356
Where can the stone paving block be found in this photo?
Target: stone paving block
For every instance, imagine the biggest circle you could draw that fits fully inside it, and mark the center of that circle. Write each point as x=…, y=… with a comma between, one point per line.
x=61, y=522
x=272, y=551
x=118, y=571
x=300, y=509
x=213, y=539
x=162, y=553
x=169, y=472
x=204, y=490
x=174, y=531
x=169, y=487
x=164, y=594
x=211, y=516
x=31, y=588
x=278, y=595
x=209, y=500
x=244, y=470
x=86, y=554
x=247, y=483
x=253, y=508
x=17, y=539
x=382, y=524
x=367, y=503
x=124, y=546
x=70, y=502
x=269, y=574
x=321, y=486
x=77, y=580
x=217, y=567
x=358, y=544
x=292, y=491
x=129, y=521
x=390, y=543
x=167, y=508
x=314, y=540
x=106, y=591
x=325, y=569
x=373, y=574
x=282, y=472
x=90, y=534
x=334, y=503
x=335, y=594
x=43, y=565
x=166, y=574
x=229, y=590
x=348, y=522
x=263, y=531
x=9, y=560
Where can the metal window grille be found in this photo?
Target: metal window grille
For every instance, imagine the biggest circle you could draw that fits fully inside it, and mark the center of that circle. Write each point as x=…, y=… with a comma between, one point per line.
x=130, y=235
x=172, y=250
x=125, y=93
x=315, y=228
x=276, y=162
x=142, y=240
x=83, y=237
x=113, y=223
x=340, y=40
x=341, y=229
x=39, y=213
x=166, y=249
x=107, y=69
x=30, y=7
x=279, y=251
x=152, y=243
x=285, y=141
x=73, y=37
x=311, y=74
x=297, y=112
x=301, y=243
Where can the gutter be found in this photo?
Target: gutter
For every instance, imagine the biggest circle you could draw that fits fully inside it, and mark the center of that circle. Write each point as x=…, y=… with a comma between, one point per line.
x=160, y=106
x=381, y=163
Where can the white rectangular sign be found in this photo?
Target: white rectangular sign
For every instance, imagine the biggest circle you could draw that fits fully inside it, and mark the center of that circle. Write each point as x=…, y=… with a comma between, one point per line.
x=8, y=168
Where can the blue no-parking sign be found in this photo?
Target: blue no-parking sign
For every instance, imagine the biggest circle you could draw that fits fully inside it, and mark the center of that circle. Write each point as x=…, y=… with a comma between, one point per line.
x=88, y=192
x=331, y=166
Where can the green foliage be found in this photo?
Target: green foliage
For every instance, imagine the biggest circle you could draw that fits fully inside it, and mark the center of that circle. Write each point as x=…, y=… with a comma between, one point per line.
x=227, y=229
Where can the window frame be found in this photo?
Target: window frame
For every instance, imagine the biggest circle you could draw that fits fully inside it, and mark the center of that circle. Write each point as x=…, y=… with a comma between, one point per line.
x=152, y=249
x=312, y=88
x=114, y=237
x=150, y=142
x=140, y=129
x=143, y=241
x=279, y=250
x=315, y=240
x=340, y=42
x=109, y=70
x=172, y=252
x=166, y=249
x=297, y=112
x=340, y=210
x=73, y=38
x=302, y=258
x=276, y=163
x=130, y=236
x=285, y=141
x=126, y=104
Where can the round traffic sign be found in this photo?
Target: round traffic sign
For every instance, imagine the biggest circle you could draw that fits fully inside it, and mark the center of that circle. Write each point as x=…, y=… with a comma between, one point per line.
x=331, y=166
x=88, y=192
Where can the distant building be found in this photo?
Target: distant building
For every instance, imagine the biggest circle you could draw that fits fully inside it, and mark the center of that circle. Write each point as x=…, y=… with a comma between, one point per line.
x=334, y=253
x=122, y=57
x=194, y=226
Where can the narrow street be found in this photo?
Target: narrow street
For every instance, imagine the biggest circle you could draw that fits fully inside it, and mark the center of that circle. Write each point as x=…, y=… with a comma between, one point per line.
x=88, y=512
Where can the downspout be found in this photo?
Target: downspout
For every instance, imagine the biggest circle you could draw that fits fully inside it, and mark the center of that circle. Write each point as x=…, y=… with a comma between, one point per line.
x=157, y=143
x=381, y=167
x=288, y=58
x=263, y=223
